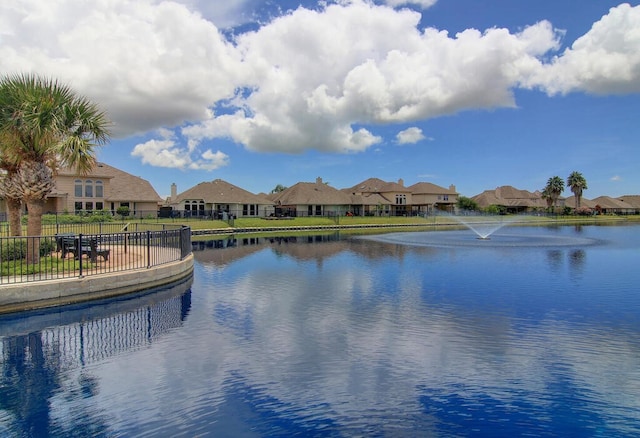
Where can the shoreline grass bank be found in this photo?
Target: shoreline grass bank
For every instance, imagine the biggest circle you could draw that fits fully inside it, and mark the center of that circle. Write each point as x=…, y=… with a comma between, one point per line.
x=200, y=228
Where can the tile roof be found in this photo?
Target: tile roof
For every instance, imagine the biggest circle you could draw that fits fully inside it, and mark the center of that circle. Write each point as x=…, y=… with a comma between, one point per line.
x=427, y=188
x=609, y=202
x=369, y=199
x=306, y=193
x=376, y=185
x=584, y=202
x=509, y=196
x=221, y=192
x=633, y=200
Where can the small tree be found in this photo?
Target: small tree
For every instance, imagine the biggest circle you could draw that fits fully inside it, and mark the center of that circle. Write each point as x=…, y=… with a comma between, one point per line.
x=279, y=188
x=122, y=211
x=495, y=209
x=468, y=204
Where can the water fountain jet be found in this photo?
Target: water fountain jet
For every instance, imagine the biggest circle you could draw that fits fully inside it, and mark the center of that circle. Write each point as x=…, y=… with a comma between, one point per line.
x=482, y=225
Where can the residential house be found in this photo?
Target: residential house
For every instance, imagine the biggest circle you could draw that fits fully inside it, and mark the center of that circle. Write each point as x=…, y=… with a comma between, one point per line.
x=513, y=200
x=608, y=205
x=633, y=201
x=104, y=188
x=311, y=199
x=393, y=199
x=218, y=199
x=427, y=197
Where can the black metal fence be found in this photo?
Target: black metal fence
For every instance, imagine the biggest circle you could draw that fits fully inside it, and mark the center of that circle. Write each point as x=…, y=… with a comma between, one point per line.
x=77, y=251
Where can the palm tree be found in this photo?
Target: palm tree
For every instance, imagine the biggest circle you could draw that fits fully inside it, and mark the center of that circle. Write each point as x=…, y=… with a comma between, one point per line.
x=577, y=184
x=553, y=190
x=12, y=199
x=44, y=125
x=548, y=199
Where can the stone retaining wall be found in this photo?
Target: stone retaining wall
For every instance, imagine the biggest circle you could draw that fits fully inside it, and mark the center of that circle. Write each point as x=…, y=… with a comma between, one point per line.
x=49, y=293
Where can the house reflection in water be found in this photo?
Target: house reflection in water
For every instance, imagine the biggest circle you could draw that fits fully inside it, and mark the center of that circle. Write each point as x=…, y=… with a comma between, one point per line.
x=317, y=247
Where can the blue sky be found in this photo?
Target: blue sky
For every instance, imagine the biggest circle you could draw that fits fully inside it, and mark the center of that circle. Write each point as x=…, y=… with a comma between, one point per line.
x=260, y=93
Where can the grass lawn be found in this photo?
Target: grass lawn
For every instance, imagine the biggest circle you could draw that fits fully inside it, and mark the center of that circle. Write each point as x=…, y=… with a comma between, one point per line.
x=346, y=221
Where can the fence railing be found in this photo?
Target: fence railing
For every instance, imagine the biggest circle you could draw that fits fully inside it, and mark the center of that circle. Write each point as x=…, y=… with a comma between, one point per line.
x=78, y=253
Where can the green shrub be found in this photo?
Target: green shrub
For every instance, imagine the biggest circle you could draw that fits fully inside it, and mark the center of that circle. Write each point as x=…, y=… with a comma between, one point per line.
x=16, y=249
x=495, y=209
x=13, y=249
x=101, y=216
x=123, y=211
x=47, y=246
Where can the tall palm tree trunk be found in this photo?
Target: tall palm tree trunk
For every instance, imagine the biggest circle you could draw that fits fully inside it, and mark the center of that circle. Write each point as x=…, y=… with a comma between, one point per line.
x=36, y=180
x=14, y=207
x=34, y=229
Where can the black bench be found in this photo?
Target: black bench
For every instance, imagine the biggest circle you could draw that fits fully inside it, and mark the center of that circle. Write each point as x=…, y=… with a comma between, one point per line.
x=66, y=243
x=91, y=248
x=87, y=246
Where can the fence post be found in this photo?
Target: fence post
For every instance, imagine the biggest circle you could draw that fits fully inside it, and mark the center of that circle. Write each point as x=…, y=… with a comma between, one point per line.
x=79, y=252
x=148, y=249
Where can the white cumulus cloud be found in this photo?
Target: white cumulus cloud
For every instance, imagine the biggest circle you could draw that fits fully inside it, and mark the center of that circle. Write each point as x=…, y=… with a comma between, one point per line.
x=314, y=76
x=424, y=4
x=166, y=152
x=606, y=60
x=410, y=136
x=149, y=63
x=309, y=79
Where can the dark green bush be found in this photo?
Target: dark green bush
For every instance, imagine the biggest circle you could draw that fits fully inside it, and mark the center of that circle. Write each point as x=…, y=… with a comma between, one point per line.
x=47, y=246
x=123, y=211
x=16, y=249
x=13, y=249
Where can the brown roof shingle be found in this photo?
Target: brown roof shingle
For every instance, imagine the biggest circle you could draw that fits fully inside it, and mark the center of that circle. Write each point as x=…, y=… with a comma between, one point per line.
x=305, y=193
x=509, y=196
x=430, y=189
x=376, y=185
x=221, y=192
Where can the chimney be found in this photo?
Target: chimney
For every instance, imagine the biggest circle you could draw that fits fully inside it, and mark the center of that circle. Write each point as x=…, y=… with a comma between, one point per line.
x=318, y=180
x=174, y=192
x=401, y=182
x=452, y=188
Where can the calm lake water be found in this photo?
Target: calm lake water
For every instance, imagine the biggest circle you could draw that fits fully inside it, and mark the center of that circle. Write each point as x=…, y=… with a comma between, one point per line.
x=536, y=333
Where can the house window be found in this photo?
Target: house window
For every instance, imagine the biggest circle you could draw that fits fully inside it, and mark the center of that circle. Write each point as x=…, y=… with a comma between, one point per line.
x=446, y=197
x=310, y=210
x=253, y=210
x=99, y=206
x=124, y=204
x=318, y=210
x=88, y=206
x=99, y=189
x=245, y=209
x=78, y=188
x=88, y=189
x=401, y=199
x=77, y=206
